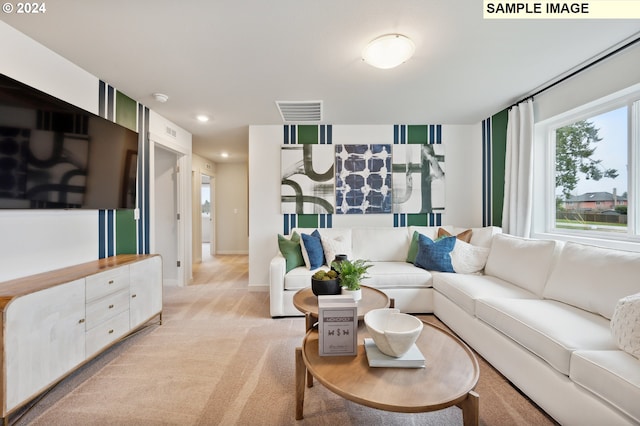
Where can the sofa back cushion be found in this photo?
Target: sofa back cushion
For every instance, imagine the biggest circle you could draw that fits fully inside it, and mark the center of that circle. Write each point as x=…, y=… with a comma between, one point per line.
x=593, y=278
x=380, y=244
x=521, y=261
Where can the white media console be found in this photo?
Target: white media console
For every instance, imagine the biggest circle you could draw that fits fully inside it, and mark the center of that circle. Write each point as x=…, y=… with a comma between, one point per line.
x=56, y=321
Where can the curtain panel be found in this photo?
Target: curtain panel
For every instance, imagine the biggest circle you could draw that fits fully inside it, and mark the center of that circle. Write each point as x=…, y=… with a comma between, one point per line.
x=518, y=178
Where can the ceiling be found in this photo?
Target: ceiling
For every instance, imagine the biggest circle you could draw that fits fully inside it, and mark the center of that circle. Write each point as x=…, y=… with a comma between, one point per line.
x=232, y=60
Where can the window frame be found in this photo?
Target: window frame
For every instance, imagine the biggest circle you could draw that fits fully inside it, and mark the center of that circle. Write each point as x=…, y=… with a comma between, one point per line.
x=544, y=186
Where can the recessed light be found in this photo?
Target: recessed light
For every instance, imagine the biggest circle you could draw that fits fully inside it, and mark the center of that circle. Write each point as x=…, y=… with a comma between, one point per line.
x=202, y=118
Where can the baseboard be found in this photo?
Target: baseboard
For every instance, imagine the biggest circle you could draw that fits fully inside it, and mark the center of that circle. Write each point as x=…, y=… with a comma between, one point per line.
x=170, y=282
x=258, y=288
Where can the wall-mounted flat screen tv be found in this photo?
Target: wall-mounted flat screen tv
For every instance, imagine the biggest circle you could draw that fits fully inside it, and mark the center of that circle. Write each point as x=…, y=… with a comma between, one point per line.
x=54, y=155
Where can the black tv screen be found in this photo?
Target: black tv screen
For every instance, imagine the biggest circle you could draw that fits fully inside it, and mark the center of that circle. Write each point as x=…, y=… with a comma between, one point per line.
x=54, y=155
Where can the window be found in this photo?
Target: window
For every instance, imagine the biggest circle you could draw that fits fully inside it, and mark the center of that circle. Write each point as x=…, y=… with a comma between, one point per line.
x=593, y=169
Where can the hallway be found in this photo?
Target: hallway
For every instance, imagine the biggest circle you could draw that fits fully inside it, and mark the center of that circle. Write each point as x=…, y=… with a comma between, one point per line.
x=230, y=271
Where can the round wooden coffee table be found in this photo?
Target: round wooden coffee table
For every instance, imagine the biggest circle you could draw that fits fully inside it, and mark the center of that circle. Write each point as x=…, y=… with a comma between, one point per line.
x=449, y=378
x=306, y=302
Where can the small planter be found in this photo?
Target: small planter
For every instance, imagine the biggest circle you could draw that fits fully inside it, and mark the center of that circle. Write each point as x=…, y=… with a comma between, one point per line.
x=356, y=294
x=325, y=287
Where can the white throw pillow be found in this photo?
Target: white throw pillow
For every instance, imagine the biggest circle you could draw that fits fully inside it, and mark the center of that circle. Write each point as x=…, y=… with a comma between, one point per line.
x=625, y=324
x=467, y=258
x=335, y=245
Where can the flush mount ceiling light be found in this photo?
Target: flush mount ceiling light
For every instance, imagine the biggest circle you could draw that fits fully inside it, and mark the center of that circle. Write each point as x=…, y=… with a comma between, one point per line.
x=388, y=51
x=160, y=97
x=202, y=118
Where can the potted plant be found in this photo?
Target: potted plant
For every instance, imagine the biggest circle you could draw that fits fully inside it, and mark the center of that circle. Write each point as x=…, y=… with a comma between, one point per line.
x=351, y=273
x=325, y=282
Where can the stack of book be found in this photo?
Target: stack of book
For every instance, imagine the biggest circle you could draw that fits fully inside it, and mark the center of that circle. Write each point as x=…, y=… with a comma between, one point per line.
x=412, y=359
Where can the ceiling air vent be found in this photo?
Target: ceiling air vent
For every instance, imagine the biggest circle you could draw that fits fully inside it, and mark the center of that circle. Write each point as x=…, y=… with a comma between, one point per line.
x=300, y=111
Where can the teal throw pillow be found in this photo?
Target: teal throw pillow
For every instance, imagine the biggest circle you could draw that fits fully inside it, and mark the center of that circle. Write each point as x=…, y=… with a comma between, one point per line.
x=313, y=246
x=291, y=251
x=413, y=248
x=435, y=255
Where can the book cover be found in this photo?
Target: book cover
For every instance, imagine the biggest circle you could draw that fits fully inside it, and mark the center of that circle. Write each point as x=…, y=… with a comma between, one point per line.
x=412, y=359
x=337, y=326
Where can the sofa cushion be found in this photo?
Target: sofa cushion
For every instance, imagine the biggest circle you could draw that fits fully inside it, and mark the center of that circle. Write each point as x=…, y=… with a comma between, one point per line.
x=625, y=324
x=291, y=251
x=435, y=255
x=593, y=278
x=612, y=375
x=413, y=247
x=462, y=236
x=333, y=245
x=464, y=290
x=479, y=236
x=312, y=251
x=521, y=261
x=467, y=258
x=550, y=329
x=380, y=244
x=397, y=275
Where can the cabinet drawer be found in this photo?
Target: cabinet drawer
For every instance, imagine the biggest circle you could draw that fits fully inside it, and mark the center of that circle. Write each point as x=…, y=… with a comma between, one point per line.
x=107, y=282
x=107, y=332
x=107, y=307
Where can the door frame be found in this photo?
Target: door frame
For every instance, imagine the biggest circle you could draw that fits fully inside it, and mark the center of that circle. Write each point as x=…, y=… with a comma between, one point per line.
x=183, y=204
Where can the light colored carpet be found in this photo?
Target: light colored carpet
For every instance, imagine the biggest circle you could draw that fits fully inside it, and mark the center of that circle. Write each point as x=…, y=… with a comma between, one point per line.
x=220, y=359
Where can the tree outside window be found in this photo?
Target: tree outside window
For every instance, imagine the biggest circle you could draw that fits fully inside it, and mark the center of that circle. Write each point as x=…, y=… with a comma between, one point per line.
x=590, y=173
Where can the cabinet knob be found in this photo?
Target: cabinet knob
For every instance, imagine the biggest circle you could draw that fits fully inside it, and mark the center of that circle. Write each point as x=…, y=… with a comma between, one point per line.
x=110, y=306
x=110, y=331
x=81, y=321
x=110, y=281
x=133, y=296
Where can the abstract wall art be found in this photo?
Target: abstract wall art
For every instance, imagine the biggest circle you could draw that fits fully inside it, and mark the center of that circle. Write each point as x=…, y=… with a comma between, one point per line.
x=418, y=178
x=363, y=179
x=308, y=179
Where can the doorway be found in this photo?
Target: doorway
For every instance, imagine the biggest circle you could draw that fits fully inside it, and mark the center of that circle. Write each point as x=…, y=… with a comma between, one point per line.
x=167, y=221
x=207, y=213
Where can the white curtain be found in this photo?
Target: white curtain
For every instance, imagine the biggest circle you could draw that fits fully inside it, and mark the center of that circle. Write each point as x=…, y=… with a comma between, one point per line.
x=518, y=179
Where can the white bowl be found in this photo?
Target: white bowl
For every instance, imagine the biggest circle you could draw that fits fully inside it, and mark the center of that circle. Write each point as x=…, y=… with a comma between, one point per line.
x=393, y=332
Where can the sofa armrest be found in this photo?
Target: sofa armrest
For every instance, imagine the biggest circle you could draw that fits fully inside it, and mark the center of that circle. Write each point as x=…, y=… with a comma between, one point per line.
x=277, y=271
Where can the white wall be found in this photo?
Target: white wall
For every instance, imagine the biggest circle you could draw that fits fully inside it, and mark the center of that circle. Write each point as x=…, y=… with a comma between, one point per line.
x=38, y=241
x=463, y=151
x=25, y=60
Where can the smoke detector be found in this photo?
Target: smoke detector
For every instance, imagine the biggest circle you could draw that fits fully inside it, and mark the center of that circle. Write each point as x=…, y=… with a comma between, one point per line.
x=160, y=97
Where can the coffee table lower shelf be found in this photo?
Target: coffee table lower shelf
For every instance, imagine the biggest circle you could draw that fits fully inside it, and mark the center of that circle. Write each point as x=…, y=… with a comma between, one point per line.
x=449, y=378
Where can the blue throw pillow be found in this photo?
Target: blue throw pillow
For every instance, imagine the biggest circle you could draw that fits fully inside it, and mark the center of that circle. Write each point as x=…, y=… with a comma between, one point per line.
x=435, y=255
x=313, y=246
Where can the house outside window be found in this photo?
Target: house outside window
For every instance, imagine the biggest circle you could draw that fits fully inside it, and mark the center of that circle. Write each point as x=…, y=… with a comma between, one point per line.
x=592, y=170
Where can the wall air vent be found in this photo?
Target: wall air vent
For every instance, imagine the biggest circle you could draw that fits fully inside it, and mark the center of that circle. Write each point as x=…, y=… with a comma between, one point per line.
x=171, y=132
x=300, y=111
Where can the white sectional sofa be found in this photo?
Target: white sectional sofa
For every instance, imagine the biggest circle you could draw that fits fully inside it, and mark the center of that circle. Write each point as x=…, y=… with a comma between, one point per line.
x=541, y=313
x=387, y=249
